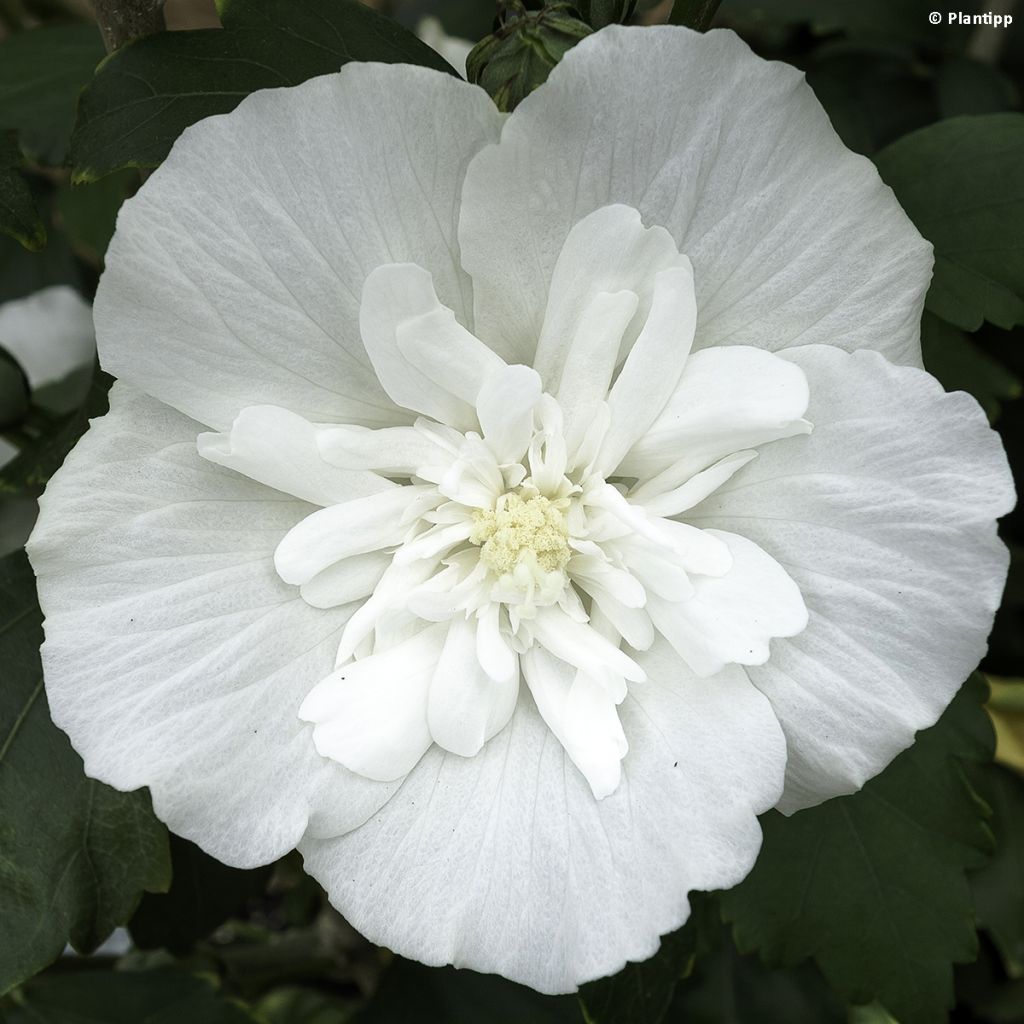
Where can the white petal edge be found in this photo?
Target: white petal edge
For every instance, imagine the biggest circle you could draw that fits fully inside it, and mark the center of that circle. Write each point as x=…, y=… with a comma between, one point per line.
x=793, y=239
x=285, y=234
x=885, y=519
x=506, y=863
x=175, y=658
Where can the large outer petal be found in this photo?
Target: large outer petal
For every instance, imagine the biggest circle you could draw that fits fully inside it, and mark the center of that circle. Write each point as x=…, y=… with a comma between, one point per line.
x=506, y=863
x=235, y=275
x=793, y=239
x=885, y=518
x=175, y=658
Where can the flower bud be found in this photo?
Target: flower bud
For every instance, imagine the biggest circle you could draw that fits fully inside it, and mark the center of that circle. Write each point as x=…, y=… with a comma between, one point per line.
x=519, y=55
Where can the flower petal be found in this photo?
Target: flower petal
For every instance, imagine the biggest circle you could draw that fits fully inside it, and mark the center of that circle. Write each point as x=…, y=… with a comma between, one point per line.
x=730, y=619
x=425, y=359
x=338, y=531
x=391, y=451
x=884, y=517
x=371, y=715
x=351, y=579
x=505, y=861
x=175, y=658
x=581, y=714
x=653, y=367
x=275, y=447
x=505, y=407
x=727, y=400
x=284, y=234
x=466, y=706
x=793, y=238
x=608, y=251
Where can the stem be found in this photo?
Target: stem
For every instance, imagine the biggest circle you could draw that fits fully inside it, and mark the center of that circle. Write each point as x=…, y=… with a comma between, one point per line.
x=120, y=21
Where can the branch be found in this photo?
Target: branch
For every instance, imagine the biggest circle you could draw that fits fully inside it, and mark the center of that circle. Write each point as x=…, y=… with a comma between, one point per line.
x=123, y=20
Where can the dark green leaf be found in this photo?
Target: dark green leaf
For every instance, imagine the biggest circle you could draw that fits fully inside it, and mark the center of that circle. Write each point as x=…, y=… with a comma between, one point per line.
x=999, y=885
x=600, y=13
x=125, y=997
x=89, y=212
x=873, y=94
x=727, y=988
x=38, y=461
x=204, y=893
x=641, y=993
x=147, y=93
x=413, y=994
x=23, y=272
x=75, y=855
x=968, y=86
x=18, y=215
x=696, y=14
x=873, y=886
x=41, y=73
x=962, y=183
x=14, y=395
x=960, y=365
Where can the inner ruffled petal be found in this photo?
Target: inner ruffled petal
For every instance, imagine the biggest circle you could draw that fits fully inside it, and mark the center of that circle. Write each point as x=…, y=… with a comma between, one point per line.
x=280, y=449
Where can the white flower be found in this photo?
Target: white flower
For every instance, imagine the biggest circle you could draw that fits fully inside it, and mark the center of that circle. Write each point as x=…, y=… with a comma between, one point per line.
x=49, y=333
x=459, y=517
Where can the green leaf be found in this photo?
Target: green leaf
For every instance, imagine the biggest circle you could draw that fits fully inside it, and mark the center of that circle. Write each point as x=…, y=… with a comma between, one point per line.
x=149, y=91
x=413, y=994
x=727, y=988
x=968, y=86
x=163, y=996
x=89, y=212
x=696, y=14
x=75, y=855
x=960, y=365
x=999, y=885
x=14, y=395
x=641, y=993
x=18, y=215
x=873, y=886
x=204, y=894
x=600, y=13
x=33, y=466
x=295, y=1005
x=23, y=272
x=873, y=93
x=962, y=183
x=42, y=72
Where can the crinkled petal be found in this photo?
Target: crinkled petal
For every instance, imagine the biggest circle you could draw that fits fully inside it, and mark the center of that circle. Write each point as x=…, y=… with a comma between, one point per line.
x=371, y=715
x=391, y=451
x=610, y=251
x=730, y=619
x=582, y=715
x=175, y=658
x=794, y=240
x=49, y=333
x=466, y=707
x=653, y=367
x=884, y=517
x=505, y=407
x=242, y=287
x=727, y=400
x=275, y=447
x=424, y=358
x=505, y=862
x=338, y=531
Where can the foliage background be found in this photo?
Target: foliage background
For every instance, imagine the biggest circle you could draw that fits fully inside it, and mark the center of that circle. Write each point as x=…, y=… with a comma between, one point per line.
x=904, y=902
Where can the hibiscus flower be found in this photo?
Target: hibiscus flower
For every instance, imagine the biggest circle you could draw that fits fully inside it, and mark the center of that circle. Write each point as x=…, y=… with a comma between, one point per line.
x=506, y=511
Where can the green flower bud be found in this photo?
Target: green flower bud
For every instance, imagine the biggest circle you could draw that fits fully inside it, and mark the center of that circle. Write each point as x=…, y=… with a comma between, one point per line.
x=519, y=55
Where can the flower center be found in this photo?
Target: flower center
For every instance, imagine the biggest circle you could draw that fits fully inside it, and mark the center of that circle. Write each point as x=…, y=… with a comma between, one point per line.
x=530, y=532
